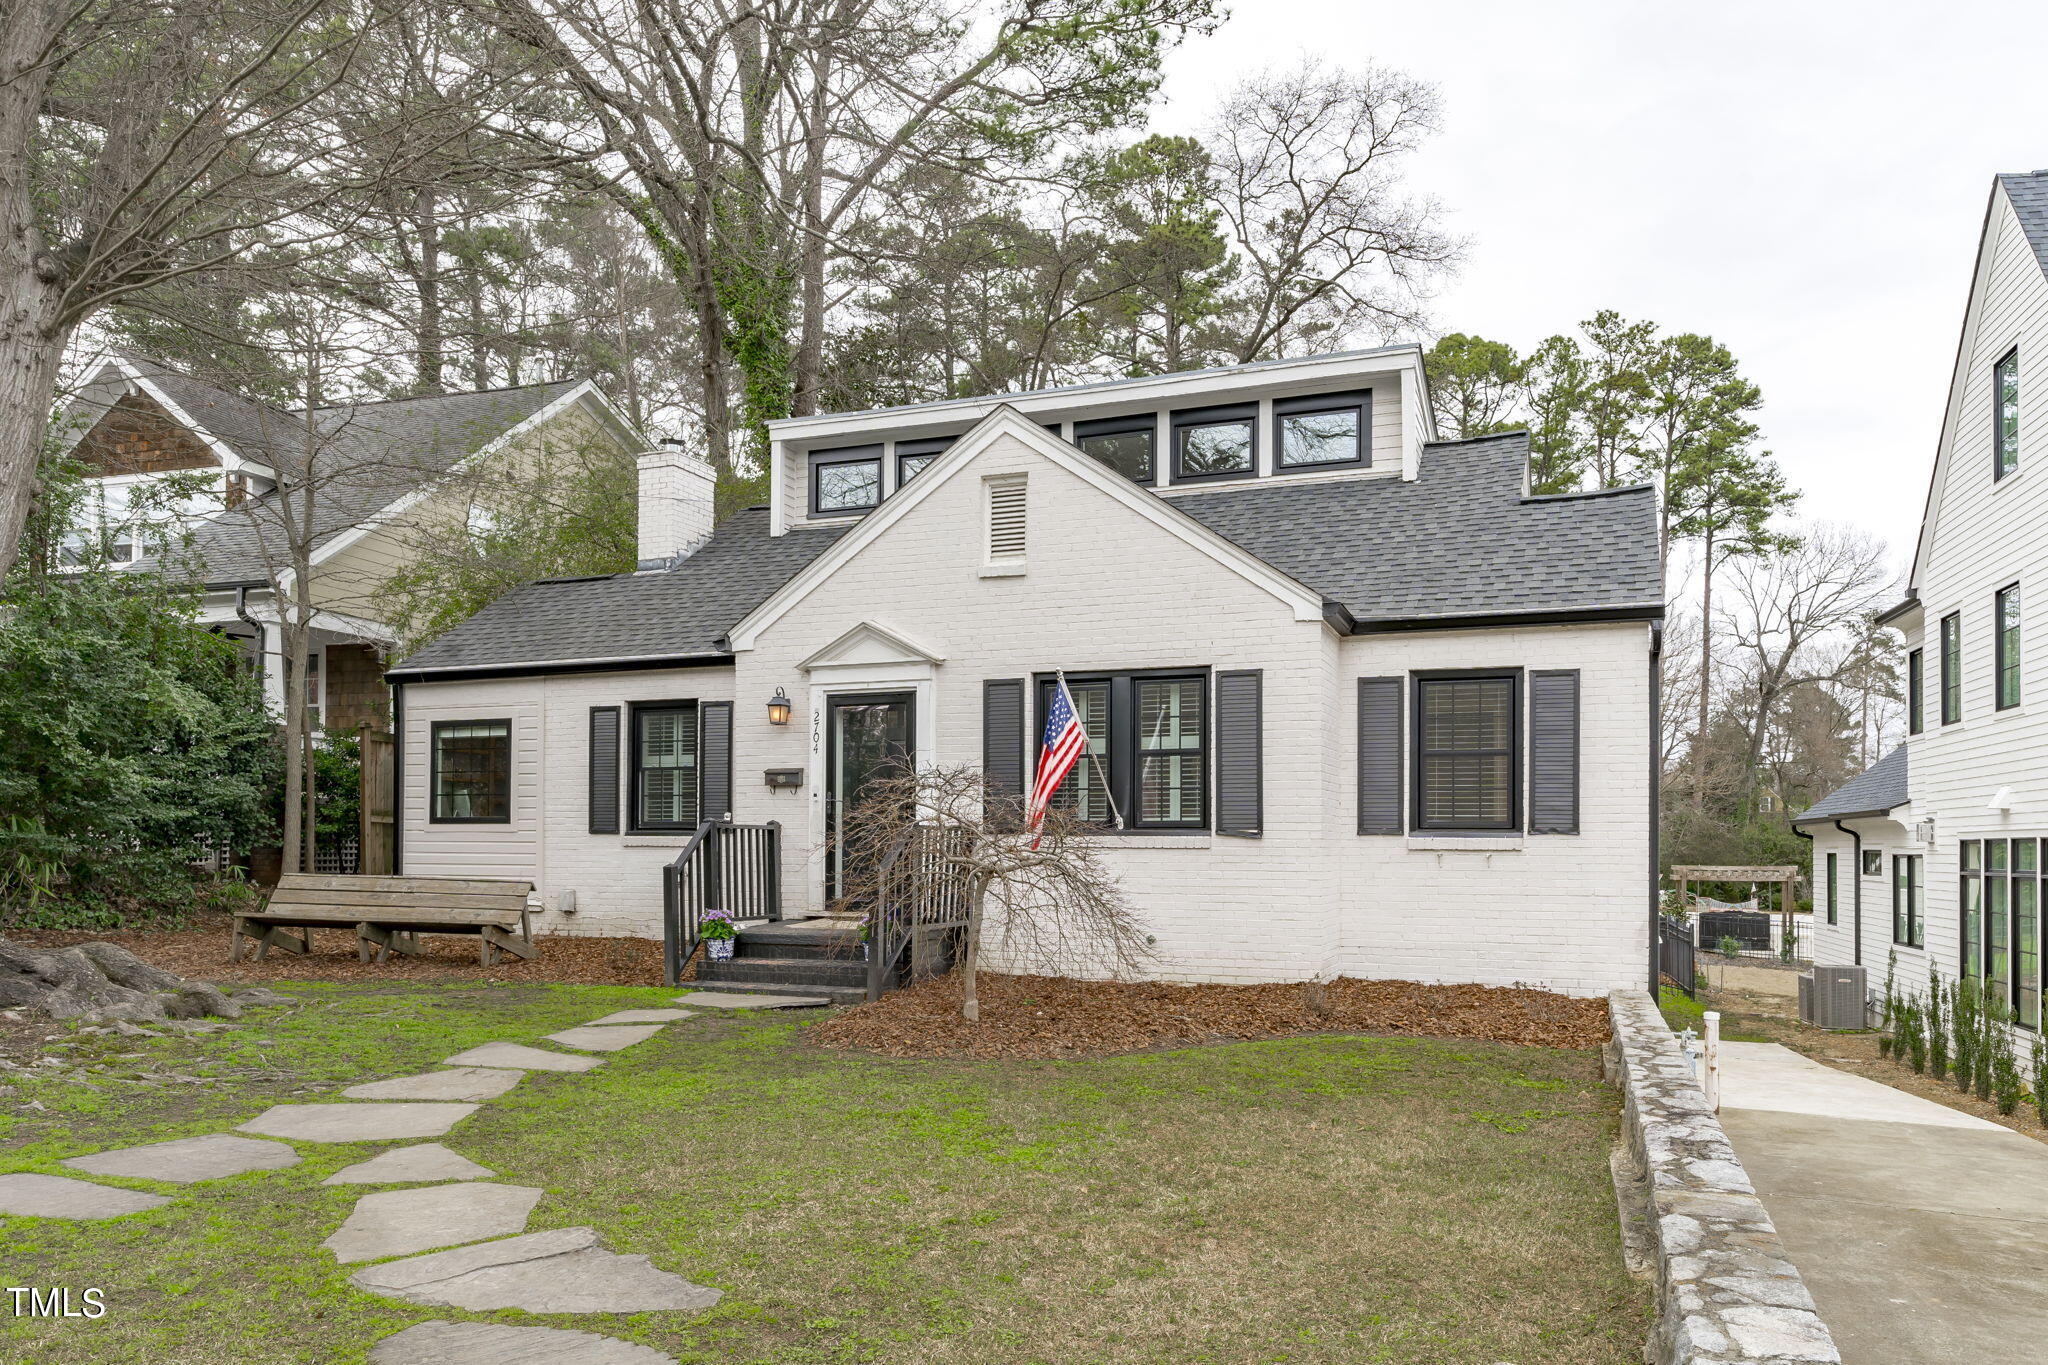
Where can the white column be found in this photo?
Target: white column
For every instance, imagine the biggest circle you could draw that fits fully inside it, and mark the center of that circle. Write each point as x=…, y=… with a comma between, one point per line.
x=272, y=658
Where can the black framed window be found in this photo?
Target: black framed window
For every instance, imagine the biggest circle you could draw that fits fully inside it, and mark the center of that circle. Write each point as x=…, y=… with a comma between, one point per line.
x=2005, y=414
x=1126, y=444
x=1969, y=932
x=664, y=770
x=1997, y=928
x=1873, y=862
x=1467, y=742
x=1834, y=886
x=2006, y=645
x=1951, y=669
x=1908, y=904
x=1216, y=443
x=914, y=457
x=846, y=481
x=1148, y=749
x=1324, y=431
x=471, y=780
x=1916, y=687
x=2026, y=932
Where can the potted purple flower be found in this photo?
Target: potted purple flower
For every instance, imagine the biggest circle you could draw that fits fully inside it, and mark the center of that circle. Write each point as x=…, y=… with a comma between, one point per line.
x=717, y=933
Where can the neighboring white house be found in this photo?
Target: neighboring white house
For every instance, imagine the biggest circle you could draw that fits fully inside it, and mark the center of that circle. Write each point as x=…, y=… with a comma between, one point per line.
x=1946, y=867
x=384, y=472
x=1366, y=705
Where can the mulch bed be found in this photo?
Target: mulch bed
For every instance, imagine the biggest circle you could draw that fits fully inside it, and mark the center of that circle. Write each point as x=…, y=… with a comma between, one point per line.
x=200, y=953
x=1043, y=1017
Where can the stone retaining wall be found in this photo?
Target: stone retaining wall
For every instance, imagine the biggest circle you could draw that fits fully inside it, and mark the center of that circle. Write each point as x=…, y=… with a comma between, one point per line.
x=1726, y=1293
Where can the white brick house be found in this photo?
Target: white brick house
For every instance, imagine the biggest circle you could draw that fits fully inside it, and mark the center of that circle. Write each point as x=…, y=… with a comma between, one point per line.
x=1255, y=580
x=1940, y=845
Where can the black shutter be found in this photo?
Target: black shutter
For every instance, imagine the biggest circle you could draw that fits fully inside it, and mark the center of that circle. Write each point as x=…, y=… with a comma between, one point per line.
x=1002, y=737
x=1379, y=755
x=604, y=770
x=1554, y=752
x=714, y=759
x=1240, y=757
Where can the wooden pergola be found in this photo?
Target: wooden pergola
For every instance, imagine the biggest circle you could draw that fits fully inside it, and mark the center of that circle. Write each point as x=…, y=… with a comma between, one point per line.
x=1785, y=878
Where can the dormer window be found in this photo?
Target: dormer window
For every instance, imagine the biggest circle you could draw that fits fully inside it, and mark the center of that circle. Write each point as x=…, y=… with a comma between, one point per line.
x=1326, y=431
x=1215, y=443
x=2005, y=414
x=846, y=481
x=1125, y=444
x=912, y=457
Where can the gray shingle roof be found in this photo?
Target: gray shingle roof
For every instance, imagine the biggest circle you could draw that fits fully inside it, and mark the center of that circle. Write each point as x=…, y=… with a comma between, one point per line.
x=1459, y=541
x=1877, y=788
x=2029, y=194
x=680, y=613
x=378, y=453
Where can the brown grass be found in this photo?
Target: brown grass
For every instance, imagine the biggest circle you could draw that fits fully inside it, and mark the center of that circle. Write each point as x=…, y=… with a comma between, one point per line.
x=1042, y=1016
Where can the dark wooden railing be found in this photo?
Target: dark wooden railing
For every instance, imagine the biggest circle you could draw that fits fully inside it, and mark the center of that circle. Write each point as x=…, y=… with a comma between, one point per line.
x=724, y=866
x=920, y=905
x=1676, y=958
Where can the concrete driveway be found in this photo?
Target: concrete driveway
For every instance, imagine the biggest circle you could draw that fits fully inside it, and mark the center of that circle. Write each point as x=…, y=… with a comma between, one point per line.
x=1922, y=1231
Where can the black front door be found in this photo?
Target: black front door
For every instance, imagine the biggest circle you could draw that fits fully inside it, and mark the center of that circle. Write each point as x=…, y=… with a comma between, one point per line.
x=868, y=735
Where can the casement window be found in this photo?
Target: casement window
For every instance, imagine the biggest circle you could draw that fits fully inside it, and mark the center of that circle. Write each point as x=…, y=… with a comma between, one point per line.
x=471, y=777
x=2026, y=932
x=914, y=457
x=1834, y=888
x=1148, y=749
x=2006, y=644
x=1970, y=905
x=2005, y=414
x=105, y=525
x=664, y=766
x=2001, y=923
x=1908, y=904
x=1326, y=431
x=1997, y=936
x=1873, y=862
x=1216, y=443
x=1126, y=444
x=1467, y=741
x=1916, y=687
x=1951, y=669
x=845, y=481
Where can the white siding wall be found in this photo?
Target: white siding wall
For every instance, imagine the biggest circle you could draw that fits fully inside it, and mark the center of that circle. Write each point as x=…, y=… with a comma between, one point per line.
x=1836, y=943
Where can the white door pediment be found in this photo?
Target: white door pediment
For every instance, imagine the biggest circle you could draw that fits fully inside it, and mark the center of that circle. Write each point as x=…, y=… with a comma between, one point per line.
x=869, y=645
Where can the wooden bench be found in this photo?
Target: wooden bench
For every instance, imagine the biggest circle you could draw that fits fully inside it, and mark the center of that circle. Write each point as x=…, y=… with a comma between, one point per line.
x=389, y=914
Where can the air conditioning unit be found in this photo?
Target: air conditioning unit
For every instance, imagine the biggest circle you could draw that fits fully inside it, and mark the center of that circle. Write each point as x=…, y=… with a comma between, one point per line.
x=1835, y=997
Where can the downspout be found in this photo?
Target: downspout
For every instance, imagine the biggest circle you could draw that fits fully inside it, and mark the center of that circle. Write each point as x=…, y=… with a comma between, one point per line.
x=1656, y=802
x=1812, y=877
x=397, y=778
x=1856, y=874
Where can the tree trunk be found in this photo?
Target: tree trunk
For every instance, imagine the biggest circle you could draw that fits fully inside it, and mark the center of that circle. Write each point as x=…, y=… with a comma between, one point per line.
x=293, y=641
x=970, y=956
x=432, y=341
x=32, y=332
x=810, y=349
x=1699, y=765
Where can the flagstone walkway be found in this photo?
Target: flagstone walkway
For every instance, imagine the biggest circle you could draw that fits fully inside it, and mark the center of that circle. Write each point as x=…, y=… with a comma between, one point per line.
x=462, y=1244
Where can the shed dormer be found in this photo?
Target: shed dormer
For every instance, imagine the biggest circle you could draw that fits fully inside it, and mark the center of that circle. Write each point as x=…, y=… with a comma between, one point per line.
x=1363, y=414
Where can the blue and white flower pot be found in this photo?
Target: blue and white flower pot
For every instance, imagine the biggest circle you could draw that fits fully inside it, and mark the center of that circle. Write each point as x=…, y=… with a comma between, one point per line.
x=719, y=949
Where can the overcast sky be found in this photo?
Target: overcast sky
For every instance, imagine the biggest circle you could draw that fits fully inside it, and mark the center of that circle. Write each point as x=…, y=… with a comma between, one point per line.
x=1803, y=181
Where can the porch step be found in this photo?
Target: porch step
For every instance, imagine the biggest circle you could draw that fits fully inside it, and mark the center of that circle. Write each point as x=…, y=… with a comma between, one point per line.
x=787, y=970
x=821, y=940
x=838, y=995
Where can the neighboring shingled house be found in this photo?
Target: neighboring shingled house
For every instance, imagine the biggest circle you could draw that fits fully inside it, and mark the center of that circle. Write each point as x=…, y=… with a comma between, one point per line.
x=1357, y=702
x=381, y=470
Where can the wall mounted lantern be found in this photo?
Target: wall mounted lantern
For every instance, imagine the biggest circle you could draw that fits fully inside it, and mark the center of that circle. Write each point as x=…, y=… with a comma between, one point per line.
x=778, y=708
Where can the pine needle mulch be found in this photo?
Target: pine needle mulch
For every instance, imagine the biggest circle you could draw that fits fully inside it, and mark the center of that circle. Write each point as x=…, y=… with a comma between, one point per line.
x=1024, y=1017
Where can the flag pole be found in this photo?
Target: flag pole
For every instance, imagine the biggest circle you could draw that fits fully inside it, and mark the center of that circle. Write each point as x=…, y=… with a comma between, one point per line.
x=1116, y=815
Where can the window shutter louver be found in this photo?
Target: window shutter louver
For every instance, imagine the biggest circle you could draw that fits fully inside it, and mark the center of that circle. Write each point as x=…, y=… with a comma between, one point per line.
x=1379, y=755
x=1554, y=752
x=714, y=759
x=1006, y=524
x=1240, y=756
x=604, y=770
x=1002, y=737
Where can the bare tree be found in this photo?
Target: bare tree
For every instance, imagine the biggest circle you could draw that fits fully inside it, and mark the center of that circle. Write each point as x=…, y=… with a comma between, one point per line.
x=1800, y=619
x=1043, y=900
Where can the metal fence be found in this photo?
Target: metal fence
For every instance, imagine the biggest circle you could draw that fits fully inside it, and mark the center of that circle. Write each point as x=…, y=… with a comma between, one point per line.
x=1677, y=963
x=1750, y=928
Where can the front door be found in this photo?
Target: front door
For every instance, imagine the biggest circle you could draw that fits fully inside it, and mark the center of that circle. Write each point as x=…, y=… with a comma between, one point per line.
x=868, y=735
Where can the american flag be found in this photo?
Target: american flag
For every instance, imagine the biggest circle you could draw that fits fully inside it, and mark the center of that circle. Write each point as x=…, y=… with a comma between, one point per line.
x=1065, y=742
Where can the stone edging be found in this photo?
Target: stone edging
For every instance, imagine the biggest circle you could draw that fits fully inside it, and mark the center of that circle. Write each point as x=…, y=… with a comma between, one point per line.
x=1726, y=1292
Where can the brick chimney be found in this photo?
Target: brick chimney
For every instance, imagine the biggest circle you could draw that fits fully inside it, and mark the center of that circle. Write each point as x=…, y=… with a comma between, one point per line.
x=675, y=504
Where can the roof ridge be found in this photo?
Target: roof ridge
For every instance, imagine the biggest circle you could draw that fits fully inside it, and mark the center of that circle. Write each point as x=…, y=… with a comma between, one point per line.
x=425, y=397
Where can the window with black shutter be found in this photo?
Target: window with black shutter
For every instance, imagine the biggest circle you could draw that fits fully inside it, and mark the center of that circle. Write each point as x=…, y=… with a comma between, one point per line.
x=1240, y=757
x=664, y=753
x=1380, y=781
x=1467, y=738
x=1554, y=751
x=714, y=759
x=604, y=770
x=1002, y=737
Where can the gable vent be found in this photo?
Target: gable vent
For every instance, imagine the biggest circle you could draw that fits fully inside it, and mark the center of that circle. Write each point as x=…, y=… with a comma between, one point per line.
x=1006, y=520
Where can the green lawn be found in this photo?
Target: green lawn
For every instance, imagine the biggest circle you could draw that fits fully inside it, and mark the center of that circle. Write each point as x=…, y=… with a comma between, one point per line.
x=1316, y=1199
